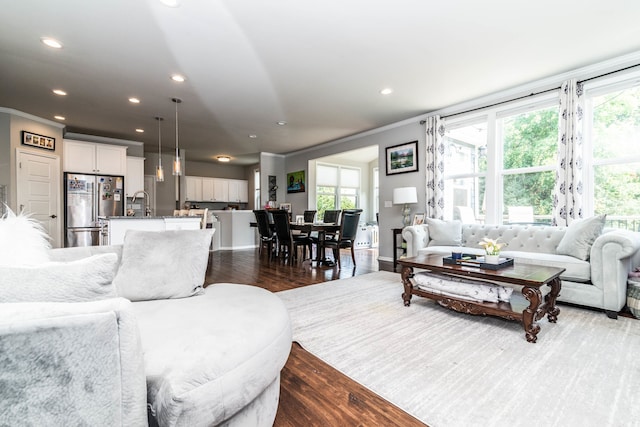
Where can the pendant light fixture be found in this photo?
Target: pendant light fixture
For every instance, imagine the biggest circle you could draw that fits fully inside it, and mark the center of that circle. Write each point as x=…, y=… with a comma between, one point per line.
x=159, y=170
x=177, y=164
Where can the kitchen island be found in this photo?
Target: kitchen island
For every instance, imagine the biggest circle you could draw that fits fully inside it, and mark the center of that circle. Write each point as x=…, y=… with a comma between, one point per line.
x=235, y=229
x=117, y=226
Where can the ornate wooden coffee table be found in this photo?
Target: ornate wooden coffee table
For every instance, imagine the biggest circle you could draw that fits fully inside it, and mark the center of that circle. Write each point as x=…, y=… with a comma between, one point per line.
x=531, y=277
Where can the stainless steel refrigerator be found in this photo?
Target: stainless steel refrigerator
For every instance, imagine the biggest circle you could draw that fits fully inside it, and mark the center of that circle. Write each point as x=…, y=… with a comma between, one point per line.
x=89, y=199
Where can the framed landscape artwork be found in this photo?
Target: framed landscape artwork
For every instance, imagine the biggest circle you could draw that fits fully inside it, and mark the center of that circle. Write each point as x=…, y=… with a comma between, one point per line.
x=295, y=182
x=402, y=158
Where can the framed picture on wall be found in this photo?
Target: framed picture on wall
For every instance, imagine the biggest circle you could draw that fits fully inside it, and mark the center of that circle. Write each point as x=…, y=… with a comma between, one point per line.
x=402, y=158
x=40, y=141
x=295, y=182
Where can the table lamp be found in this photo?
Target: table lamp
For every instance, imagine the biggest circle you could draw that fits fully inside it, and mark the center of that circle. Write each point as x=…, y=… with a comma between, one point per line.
x=404, y=196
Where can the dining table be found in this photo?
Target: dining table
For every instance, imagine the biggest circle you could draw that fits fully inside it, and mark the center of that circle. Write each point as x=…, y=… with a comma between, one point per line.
x=322, y=228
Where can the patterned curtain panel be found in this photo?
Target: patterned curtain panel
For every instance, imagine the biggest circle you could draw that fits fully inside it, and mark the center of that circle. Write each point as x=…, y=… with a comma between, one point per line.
x=567, y=194
x=435, y=167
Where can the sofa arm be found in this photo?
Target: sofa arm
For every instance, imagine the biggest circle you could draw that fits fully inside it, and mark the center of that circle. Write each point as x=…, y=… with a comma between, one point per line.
x=71, y=364
x=613, y=255
x=417, y=237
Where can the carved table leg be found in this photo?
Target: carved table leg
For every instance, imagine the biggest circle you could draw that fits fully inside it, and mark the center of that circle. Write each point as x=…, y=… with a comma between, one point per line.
x=550, y=300
x=530, y=314
x=407, y=273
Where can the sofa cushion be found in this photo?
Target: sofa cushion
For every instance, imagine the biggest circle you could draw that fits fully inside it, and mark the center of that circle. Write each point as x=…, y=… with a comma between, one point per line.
x=23, y=240
x=207, y=357
x=71, y=364
x=163, y=264
x=580, y=235
x=444, y=233
x=86, y=279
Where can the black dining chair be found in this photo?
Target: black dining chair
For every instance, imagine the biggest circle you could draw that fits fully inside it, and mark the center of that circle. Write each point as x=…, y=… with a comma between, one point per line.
x=267, y=236
x=286, y=239
x=346, y=237
x=309, y=216
x=331, y=216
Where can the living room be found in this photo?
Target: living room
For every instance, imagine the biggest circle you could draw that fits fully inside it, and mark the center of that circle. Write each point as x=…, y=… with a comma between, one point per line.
x=566, y=360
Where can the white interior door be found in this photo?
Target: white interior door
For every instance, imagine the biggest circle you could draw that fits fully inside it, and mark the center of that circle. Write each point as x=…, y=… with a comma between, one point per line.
x=38, y=190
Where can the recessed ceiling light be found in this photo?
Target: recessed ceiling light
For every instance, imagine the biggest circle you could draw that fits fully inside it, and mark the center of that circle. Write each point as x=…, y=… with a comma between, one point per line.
x=177, y=78
x=253, y=136
x=140, y=130
x=59, y=92
x=170, y=3
x=134, y=100
x=282, y=123
x=386, y=91
x=51, y=42
x=223, y=158
x=59, y=117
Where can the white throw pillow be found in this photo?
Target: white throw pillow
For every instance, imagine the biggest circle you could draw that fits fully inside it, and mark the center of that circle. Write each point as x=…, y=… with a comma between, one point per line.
x=23, y=240
x=579, y=237
x=163, y=264
x=444, y=233
x=87, y=279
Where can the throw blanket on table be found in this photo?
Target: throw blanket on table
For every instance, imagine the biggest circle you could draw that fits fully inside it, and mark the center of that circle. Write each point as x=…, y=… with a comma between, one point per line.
x=466, y=289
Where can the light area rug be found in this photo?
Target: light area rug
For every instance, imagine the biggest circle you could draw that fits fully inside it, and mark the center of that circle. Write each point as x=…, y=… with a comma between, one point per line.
x=453, y=369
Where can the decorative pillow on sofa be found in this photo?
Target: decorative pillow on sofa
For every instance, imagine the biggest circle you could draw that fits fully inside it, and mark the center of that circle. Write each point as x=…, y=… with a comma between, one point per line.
x=444, y=233
x=87, y=279
x=579, y=237
x=23, y=240
x=163, y=264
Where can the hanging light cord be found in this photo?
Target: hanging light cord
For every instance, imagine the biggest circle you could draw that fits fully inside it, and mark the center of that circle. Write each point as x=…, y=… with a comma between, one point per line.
x=159, y=139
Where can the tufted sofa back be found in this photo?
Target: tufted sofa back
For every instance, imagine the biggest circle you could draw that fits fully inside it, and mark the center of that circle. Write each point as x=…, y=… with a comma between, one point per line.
x=526, y=238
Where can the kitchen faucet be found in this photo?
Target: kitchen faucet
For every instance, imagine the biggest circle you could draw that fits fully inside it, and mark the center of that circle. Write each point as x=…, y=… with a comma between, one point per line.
x=147, y=209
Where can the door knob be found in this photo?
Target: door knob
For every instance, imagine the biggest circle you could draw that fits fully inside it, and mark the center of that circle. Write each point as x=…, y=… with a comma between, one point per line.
x=54, y=216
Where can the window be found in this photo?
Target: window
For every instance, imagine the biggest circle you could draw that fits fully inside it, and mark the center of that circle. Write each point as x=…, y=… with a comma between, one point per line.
x=256, y=185
x=612, y=158
x=466, y=167
x=529, y=141
x=337, y=187
x=502, y=157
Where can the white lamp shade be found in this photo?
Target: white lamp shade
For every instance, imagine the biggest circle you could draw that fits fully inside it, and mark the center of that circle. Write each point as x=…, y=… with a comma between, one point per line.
x=404, y=195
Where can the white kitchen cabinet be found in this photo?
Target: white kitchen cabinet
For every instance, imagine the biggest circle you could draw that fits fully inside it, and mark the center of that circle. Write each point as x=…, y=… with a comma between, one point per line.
x=207, y=190
x=90, y=157
x=194, y=188
x=134, y=179
x=220, y=190
x=238, y=190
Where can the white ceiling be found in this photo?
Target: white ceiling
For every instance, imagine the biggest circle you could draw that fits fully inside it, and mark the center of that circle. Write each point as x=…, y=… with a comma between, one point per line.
x=319, y=66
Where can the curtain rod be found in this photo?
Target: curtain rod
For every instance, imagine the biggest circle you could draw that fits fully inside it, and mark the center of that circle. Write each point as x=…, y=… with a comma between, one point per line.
x=532, y=94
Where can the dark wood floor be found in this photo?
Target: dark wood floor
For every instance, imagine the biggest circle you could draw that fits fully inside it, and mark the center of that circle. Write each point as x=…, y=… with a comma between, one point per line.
x=312, y=393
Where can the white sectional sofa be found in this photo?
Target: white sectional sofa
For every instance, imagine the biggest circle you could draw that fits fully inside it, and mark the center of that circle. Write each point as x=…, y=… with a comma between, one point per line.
x=597, y=277
x=126, y=335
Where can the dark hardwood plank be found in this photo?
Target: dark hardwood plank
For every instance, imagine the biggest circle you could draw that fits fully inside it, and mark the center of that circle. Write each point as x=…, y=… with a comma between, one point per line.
x=312, y=393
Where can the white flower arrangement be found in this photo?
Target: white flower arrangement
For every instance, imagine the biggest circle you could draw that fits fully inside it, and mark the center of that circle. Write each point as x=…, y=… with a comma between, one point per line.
x=491, y=246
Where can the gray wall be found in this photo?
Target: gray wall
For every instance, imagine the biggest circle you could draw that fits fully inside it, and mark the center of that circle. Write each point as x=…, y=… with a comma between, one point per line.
x=400, y=133
x=12, y=123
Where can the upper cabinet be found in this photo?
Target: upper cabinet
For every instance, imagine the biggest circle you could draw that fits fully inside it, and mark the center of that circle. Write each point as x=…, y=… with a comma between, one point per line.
x=220, y=190
x=239, y=190
x=90, y=157
x=203, y=189
x=134, y=179
x=194, y=188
